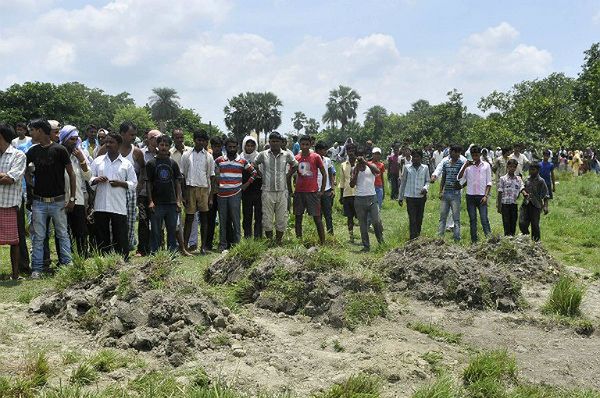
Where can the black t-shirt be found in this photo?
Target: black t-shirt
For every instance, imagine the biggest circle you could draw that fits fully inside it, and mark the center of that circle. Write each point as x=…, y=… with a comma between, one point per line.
x=49, y=173
x=163, y=173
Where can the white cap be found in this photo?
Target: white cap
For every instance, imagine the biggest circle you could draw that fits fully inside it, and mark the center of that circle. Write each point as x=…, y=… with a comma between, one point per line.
x=376, y=150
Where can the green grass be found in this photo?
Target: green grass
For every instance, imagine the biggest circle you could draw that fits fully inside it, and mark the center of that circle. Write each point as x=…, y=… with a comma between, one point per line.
x=83, y=375
x=442, y=387
x=108, y=360
x=565, y=298
x=490, y=365
x=84, y=270
x=248, y=250
x=436, y=332
x=362, y=307
x=361, y=385
x=37, y=370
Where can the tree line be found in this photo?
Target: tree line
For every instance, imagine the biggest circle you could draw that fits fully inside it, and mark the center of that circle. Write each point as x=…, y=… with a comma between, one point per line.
x=554, y=111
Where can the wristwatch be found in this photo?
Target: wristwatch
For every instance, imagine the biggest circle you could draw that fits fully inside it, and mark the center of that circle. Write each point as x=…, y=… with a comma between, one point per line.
x=71, y=199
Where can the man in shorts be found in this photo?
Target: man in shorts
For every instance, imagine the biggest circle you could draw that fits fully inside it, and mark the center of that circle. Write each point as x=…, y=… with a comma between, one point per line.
x=346, y=191
x=198, y=167
x=308, y=196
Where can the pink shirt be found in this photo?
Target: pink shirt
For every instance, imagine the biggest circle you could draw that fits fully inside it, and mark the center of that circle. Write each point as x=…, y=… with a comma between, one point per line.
x=478, y=177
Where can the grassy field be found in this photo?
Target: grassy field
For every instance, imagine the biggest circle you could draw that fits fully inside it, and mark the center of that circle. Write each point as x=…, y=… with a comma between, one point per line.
x=570, y=232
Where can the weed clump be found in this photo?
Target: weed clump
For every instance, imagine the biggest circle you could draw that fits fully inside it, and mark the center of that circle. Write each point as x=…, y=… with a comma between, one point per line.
x=83, y=375
x=491, y=365
x=362, y=308
x=443, y=387
x=361, y=385
x=107, y=361
x=84, y=270
x=436, y=332
x=565, y=298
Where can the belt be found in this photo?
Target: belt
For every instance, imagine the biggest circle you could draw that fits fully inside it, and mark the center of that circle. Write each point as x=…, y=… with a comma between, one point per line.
x=49, y=200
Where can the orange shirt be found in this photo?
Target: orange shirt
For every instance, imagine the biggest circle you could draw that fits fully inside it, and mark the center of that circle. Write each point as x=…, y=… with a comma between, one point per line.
x=378, y=177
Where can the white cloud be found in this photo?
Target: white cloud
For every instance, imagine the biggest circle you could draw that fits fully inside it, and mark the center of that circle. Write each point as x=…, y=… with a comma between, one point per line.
x=596, y=18
x=135, y=45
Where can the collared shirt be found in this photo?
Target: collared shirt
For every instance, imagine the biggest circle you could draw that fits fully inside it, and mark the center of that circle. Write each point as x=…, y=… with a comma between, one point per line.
x=197, y=167
x=177, y=155
x=108, y=198
x=449, y=171
x=345, y=177
x=537, y=190
x=394, y=164
x=274, y=171
x=80, y=178
x=12, y=163
x=478, y=177
x=229, y=175
x=438, y=156
x=413, y=181
x=511, y=188
x=437, y=173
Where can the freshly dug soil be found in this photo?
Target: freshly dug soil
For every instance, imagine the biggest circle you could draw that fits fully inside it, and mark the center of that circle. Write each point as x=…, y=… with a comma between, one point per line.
x=125, y=308
x=487, y=275
x=299, y=284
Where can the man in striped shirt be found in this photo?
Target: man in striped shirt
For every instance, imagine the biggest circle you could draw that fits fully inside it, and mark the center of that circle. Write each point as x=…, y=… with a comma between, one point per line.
x=229, y=171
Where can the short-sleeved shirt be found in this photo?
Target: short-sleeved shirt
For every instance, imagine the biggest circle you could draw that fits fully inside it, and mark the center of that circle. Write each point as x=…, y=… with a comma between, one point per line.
x=450, y=172
x=308, y=167
x=49, y=169
x=537, y=189
x=546, y=173
x=274, y=170
x=379, y=177
x=328, y=166
x=511, y=188
x=163, y=174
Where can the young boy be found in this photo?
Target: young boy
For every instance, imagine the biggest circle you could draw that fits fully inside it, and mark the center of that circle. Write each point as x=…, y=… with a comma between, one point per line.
x=536, y=200
x=327, y=197
x=308, y=196
x=547, y=173
x=379, y=177
x=509, y=188
x=164, y=194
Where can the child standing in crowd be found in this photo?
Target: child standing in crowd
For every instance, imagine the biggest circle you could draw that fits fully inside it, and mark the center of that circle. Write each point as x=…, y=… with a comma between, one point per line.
x=379, y=191
x=536, y=201
x=547, y=173
x=509, y=188
x=164, y=195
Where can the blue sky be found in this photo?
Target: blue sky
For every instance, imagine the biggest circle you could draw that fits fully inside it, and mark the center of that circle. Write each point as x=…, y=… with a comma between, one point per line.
x=393, y=52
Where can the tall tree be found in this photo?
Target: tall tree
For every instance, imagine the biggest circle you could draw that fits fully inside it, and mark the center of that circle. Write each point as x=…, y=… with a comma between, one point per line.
x=139, y=115
x=164, y=105
x=299, y=120
x=247, y=112
x=375, y=121
x=587, y=88
x=311, y=127
x=341, y=106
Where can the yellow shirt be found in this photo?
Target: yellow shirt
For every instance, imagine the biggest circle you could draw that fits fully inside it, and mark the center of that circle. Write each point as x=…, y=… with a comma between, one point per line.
x=344, y=179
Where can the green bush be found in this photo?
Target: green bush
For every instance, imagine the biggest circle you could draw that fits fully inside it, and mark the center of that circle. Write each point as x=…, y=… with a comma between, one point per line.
x=565, y=298
x=361, y=385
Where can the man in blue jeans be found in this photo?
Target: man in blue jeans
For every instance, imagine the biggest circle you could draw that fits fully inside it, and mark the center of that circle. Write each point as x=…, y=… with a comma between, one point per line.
x=450, y=191
x=478, y=176
x=229, y=170
x=47, y=162
x=164, y=195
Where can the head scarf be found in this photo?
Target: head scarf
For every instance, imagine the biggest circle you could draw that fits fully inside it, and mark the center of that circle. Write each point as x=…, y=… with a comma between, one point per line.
x=67, y=132
x=249, y=156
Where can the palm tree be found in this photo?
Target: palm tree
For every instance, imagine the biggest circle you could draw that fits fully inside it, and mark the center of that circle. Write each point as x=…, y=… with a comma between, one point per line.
x=375, y=117
x=341, y=106
x=299, y=120
x=268, y=115
x=253, y=111
x=311, y=127
x=164, y=105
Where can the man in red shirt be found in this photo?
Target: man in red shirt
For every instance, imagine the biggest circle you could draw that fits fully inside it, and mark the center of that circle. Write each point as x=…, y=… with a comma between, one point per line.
x=307, y=196
x=379, y=177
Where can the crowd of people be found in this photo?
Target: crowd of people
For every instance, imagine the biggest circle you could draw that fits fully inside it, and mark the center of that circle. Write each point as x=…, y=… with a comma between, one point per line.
x=93, y=189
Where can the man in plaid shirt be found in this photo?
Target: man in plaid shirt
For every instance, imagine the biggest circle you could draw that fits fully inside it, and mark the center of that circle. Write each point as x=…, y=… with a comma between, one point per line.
x=12, y=169
x=509, y=189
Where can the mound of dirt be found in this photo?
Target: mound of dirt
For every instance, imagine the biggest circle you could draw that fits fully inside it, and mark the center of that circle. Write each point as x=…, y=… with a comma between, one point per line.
x=487, y=275
x=129, y=307
x=301, y=284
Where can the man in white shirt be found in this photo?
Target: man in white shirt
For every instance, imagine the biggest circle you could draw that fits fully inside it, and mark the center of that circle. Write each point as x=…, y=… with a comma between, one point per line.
x=112, y=177
x=438, y=155
x=414, y=185
x=198, y=168
x=478, y=175
x=365, y=199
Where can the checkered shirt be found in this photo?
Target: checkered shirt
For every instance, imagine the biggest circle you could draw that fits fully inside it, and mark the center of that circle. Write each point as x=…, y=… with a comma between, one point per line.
x=12, y=163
